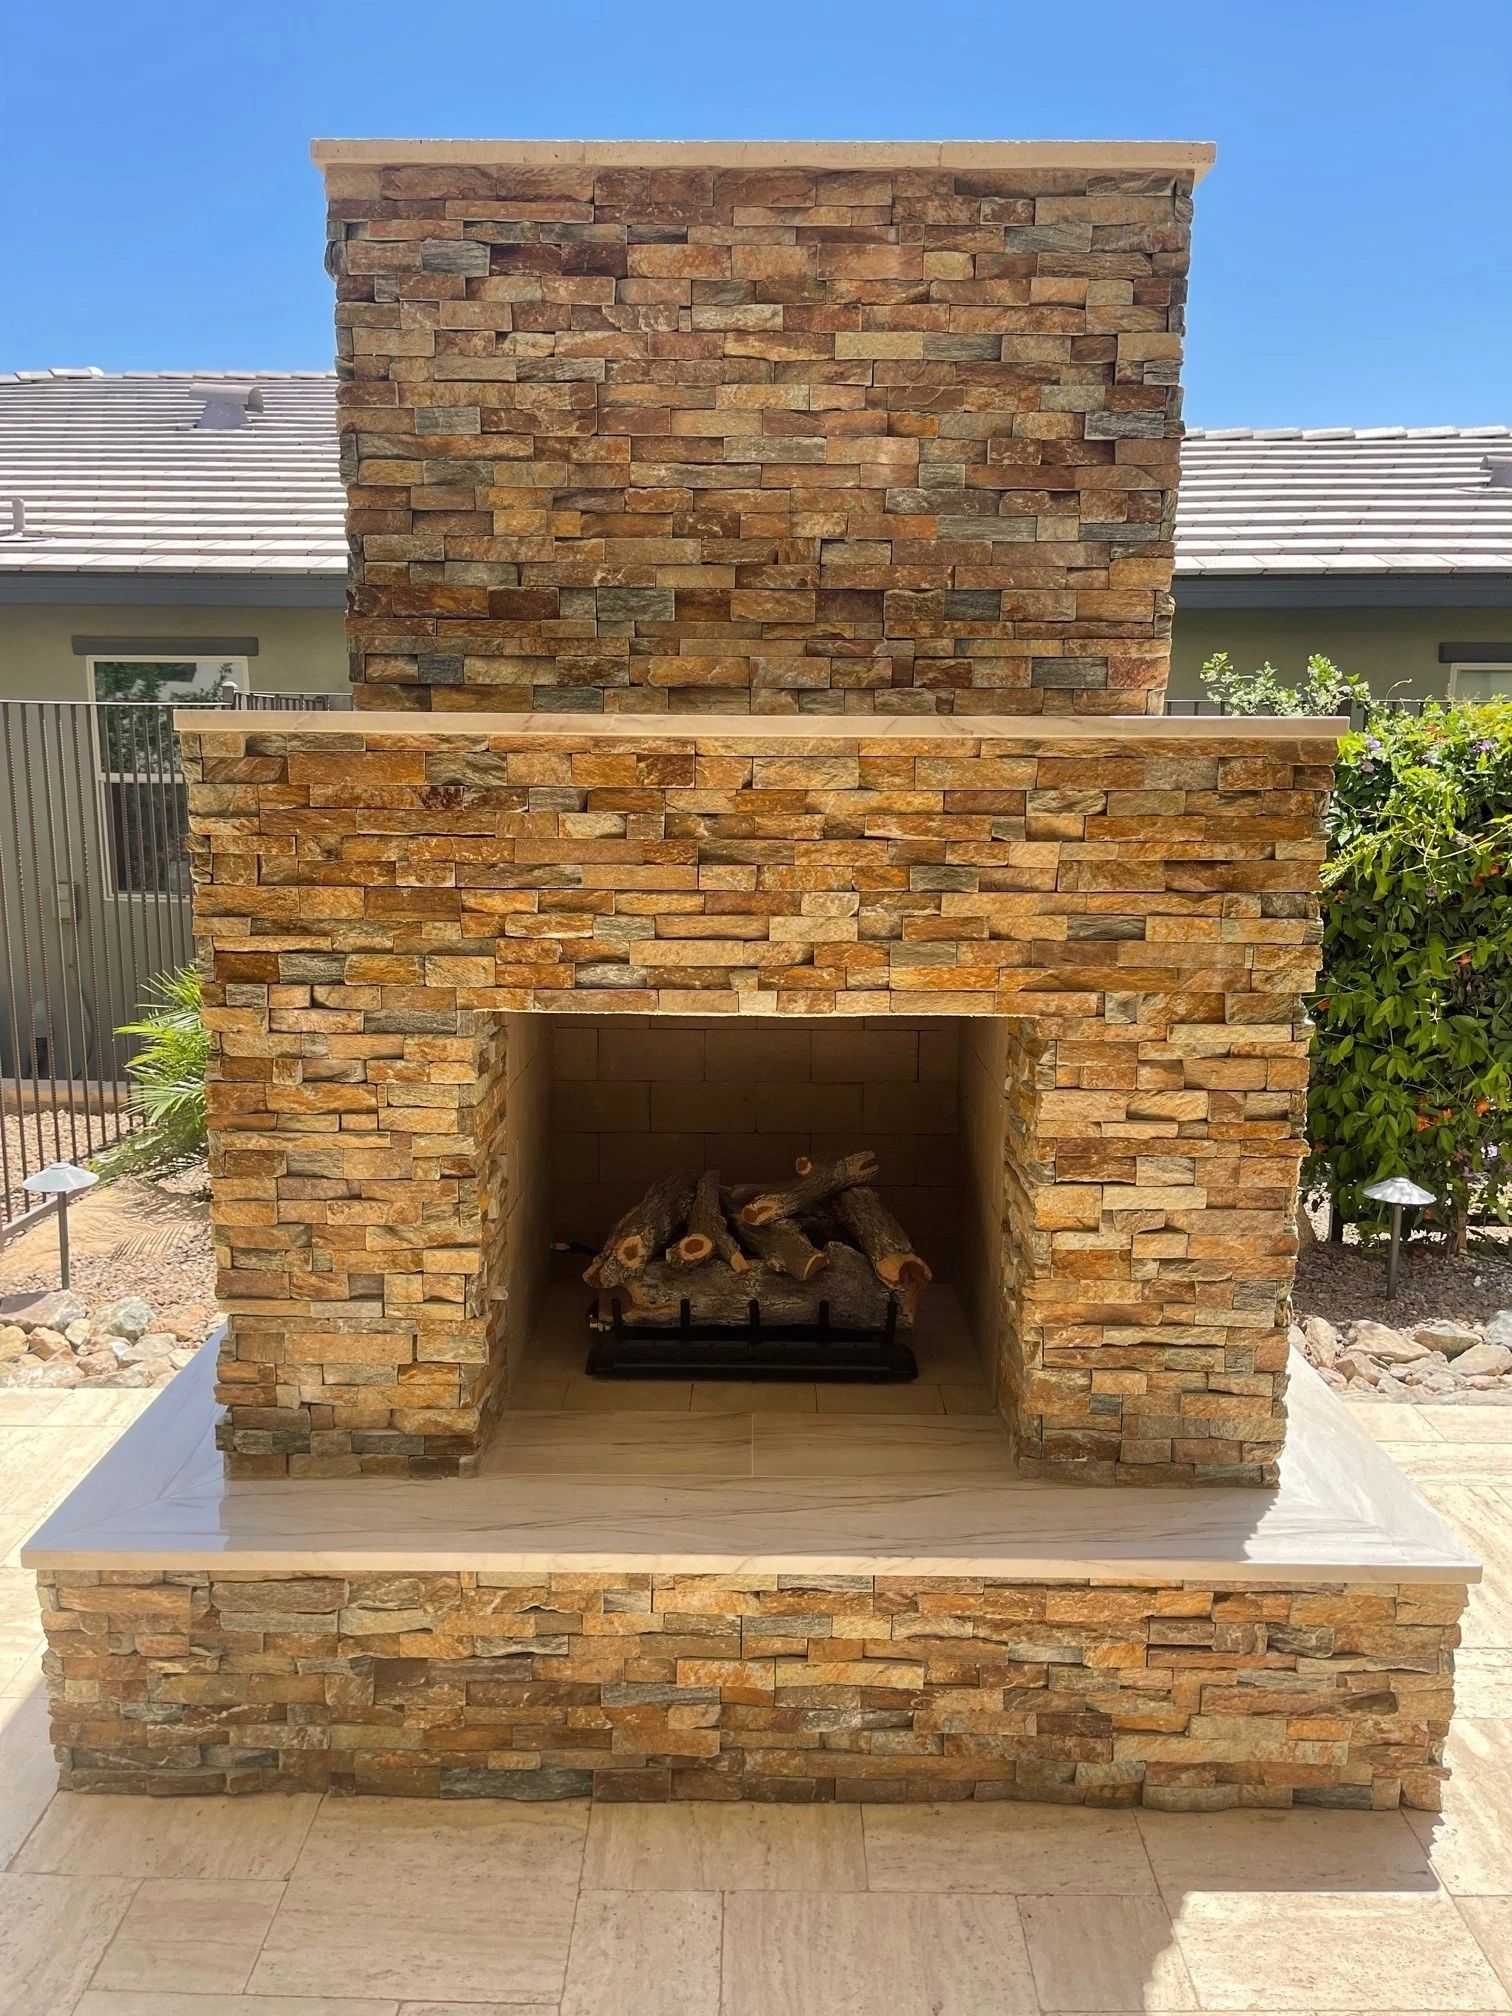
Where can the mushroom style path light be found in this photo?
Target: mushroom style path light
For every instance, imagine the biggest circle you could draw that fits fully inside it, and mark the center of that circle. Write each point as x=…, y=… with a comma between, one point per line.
x=1399, y=1192
x=61, y=1180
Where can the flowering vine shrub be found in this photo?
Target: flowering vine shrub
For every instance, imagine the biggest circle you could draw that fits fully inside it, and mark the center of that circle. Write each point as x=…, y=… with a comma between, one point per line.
x=1412, y=1055
x=1412, y=1046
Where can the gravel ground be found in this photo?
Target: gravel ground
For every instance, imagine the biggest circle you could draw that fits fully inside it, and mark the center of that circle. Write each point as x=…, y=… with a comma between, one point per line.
x=131, y=1237
x=1345, y=1283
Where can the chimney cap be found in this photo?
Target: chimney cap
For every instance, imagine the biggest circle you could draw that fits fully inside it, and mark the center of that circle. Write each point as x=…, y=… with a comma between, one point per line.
x=1176, y=157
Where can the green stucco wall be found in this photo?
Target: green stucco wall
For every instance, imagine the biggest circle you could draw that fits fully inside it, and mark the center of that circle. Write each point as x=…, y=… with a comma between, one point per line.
x=298, y=649
x=1396, y=649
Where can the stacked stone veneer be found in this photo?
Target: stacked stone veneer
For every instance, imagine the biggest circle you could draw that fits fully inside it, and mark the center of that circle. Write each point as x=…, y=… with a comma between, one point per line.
x=777, y=437
x=638, y=1686
x=378, y=900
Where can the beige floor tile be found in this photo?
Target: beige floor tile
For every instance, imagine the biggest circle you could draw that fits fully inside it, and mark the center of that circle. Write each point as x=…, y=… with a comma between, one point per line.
x=28, y=1769
x=1105, y=1953
x=621, y=1443
x=541, y=1393
x=20, y=1617
x=455, y=2009
x=39, y=1466
x=788, y=1953
x=966, y=1396
x=1297, y=1850
x=754, y=1396
x=1484, y=1518
x=53, y=1930
x=719, y=1847
x=1482, y=1683
x=348, y=1923
x=1390, y=1421
x=1367, y=1950
x=152, y=2002
x=916, y=1396
x=104, y=1406
x=1445, y=1462
x=1470, y=1842
x=186, y=1937
x=83, y=1834
x=435, y=1842
x=477, y=1938
x=644, y=1954
x=1490, y=1919
x=1470, y=1424
x=628, y=1396
x=21, y=1407
x=1004, y=1847
x=20, y=1676
x=957, y=1446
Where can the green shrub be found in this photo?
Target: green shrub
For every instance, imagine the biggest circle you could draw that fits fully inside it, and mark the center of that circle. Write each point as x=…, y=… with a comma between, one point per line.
x=168, y=1079
x=1412, y=1055
x=1412, y=1050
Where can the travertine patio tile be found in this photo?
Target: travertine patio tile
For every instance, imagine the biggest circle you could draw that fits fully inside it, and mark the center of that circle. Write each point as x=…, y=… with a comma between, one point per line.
x=1470, y=1424
x=1102, y=1953
x=1001, y=1846
x=53, y=1930
x=1298, y=1850
x=790, y=1954
x=28, y=1769
x=83, y=1834
x=685, y=1846
x=133, y=2002
x=1484, y=1518
x=412, y=1937
x=20, y=1617
x=1490, y=1919
x=1363, y=1951
x=436, y=1842
x=1482, y=1683
x=644, y=1955
x=20, y=1407
x=619, y=1396
x=189, y=1937
x=1470, y=1842
x=1388, y=1421
x=456, y=2009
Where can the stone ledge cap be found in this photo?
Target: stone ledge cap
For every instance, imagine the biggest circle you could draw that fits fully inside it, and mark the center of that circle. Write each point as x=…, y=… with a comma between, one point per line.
x=1192, y=157
x=1175, y=730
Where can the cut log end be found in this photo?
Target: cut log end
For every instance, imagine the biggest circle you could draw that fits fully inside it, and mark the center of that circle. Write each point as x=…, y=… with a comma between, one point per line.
x=904, y=1270
x=693, y=1250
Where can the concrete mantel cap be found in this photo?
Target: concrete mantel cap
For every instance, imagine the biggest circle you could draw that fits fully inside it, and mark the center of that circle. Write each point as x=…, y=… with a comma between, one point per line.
x=1176, y=731
x=1193, y=157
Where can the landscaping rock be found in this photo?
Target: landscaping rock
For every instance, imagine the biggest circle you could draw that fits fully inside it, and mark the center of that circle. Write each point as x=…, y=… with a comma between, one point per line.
x=1485, y=1361
x=128, y=1317
x=1447, y=1336
x=1499, y=1329
x=157, y=1343
x=1390, y=1347
x=53, y=1312
x=45, y=1344
x=12, y=1342
x=1359, y=1367
x=1321, y=1340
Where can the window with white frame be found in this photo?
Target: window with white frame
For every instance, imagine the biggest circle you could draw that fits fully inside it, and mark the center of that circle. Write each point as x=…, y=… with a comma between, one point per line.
x=143, y=809
x=1480, y=681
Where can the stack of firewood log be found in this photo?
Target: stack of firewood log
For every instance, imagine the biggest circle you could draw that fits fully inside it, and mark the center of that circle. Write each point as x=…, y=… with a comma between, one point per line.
x=823, y=1237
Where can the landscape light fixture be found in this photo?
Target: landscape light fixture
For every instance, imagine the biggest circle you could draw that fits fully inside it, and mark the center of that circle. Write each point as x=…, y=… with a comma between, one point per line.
x=61, y=1180
x=1399, y=1192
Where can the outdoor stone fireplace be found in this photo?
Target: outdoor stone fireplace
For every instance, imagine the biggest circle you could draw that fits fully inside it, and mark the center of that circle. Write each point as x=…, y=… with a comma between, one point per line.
x=759, y=611
x=393, y=906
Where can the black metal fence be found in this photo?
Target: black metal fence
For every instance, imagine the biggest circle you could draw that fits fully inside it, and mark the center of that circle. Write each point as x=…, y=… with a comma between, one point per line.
x=94, y=904
x=1356, y=714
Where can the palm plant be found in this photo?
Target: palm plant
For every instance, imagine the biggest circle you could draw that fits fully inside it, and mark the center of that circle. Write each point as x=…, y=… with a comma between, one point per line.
x=168, y=1078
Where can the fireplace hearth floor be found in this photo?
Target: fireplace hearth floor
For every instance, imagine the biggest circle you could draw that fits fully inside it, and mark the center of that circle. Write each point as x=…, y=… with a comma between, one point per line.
x=666, y=1486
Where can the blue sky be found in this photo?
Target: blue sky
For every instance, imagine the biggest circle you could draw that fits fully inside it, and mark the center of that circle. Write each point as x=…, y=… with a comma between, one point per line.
x=1353, y=252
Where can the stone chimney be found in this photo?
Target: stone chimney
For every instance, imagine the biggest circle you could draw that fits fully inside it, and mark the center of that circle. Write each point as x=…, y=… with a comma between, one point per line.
x=774, y=428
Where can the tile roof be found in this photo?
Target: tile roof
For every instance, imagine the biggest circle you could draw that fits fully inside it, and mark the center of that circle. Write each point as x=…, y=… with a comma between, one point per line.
x=116, y=475
x=1343, y=500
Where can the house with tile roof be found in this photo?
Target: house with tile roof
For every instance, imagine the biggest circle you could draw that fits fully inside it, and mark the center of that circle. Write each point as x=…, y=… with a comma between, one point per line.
x=196, y=520
x=1388, y=549
x=188, y=521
